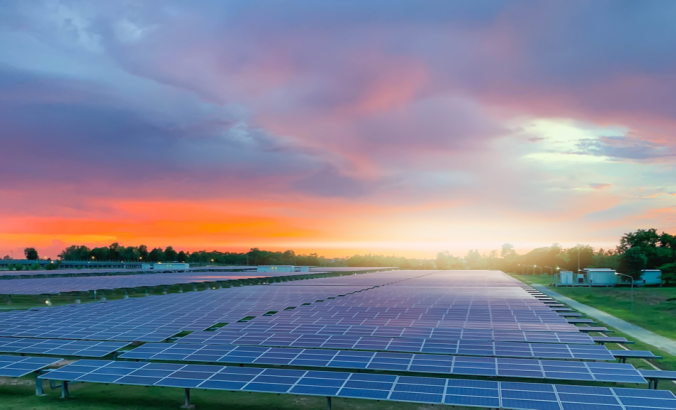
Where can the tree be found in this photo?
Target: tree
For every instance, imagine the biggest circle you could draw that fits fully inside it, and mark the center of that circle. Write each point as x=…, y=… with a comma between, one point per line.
x=255, y=256
x=473, y=258
x=170, y=254
x=143, y=252
x=182, y=257
x=633, y=261
x=507, y=250
x=31, y=254
x=568, y=259
x=642, y=238
x=659, y=249
x=447, y=261
x=114, y=251
x=156, y=255
x=289, y=257
x=75, y=253
x=6, y=257
x=668, y=273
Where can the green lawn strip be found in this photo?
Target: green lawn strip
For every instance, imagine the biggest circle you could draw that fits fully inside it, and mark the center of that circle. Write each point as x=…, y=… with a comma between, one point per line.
x=86, y=396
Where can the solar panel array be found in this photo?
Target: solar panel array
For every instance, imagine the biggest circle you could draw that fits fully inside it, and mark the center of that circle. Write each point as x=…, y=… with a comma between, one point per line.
x=405, y=362
x=449, y=323
x=18, y=366
x=480, y=393
x=174, y=312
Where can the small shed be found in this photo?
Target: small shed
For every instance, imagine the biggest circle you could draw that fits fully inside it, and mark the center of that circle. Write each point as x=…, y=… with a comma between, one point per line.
x=565, y=277
x=650, y=277
x=600, y=276
x=274, y=268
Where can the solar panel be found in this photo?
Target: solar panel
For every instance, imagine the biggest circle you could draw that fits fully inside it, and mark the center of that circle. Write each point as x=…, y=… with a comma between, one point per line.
x=18, y=366
x=659, y=374
x=59, y=347
x=623, y=355
x=365, y=386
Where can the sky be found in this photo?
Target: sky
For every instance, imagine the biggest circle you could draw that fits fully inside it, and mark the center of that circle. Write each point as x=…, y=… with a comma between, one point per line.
x=386, y=126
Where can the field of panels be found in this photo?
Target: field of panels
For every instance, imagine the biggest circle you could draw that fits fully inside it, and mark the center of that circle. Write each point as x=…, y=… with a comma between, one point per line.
x=461, y=338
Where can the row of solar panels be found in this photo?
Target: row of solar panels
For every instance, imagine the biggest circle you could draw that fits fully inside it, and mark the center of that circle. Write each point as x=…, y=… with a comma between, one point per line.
x=427, y=363
x=138, y=335
x=366, y=386
x=460, y=347
x=380, y=361
x=415, y=332
x=456, y=324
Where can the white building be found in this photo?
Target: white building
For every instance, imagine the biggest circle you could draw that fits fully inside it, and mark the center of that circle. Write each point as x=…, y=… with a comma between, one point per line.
x=650, y=277
x=601, y=276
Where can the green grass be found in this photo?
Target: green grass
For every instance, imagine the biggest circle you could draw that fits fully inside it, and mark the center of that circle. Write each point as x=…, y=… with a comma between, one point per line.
x=87, y=396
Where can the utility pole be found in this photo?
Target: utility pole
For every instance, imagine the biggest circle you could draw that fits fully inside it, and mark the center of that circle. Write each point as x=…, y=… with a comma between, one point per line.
x=578, y=258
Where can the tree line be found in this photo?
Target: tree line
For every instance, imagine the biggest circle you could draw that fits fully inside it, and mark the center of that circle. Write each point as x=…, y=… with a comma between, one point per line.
x=642, y=249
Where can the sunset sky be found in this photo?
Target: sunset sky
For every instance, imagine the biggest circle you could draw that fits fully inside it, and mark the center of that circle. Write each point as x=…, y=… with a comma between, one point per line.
x=335, y=126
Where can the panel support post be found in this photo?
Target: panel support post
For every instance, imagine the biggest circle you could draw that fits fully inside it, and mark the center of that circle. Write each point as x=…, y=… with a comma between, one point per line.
x=103, y=296
x=166, y=288
x=38, y=387
x=328, y=403
x=126, y=295
x=187, y=404
x=180, y=288
x=64, y=390
x=77, y=298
